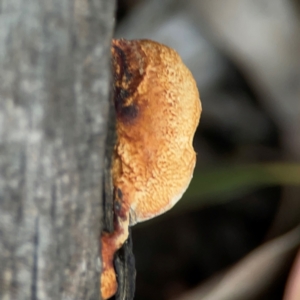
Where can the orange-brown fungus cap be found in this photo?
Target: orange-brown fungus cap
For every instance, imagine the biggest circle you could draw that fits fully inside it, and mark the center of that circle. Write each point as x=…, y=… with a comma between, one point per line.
x=158, y=109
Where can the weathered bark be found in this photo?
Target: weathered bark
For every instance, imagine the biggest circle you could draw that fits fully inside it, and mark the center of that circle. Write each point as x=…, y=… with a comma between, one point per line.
x=54, y=86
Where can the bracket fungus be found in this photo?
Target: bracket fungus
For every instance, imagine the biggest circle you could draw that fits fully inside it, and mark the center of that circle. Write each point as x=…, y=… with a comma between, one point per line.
x=157, y=112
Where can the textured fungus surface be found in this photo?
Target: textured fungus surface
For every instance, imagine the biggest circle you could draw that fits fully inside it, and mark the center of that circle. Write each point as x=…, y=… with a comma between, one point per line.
x=158, y=110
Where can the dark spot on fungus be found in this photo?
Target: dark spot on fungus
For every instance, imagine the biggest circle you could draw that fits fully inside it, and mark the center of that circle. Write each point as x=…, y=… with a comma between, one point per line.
x=120, y=194
x=120, y=59
x=120, y=98
x=126, y=112
x=129, y=113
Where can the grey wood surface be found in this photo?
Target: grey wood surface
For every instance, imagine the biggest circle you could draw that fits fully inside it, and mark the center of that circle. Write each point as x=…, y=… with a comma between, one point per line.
x=54, y=93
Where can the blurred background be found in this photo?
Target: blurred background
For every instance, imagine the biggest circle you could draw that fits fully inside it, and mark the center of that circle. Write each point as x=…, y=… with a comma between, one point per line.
x=235, y=234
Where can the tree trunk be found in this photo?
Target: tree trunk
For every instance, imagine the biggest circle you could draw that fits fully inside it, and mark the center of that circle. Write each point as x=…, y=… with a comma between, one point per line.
x=54, y=94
